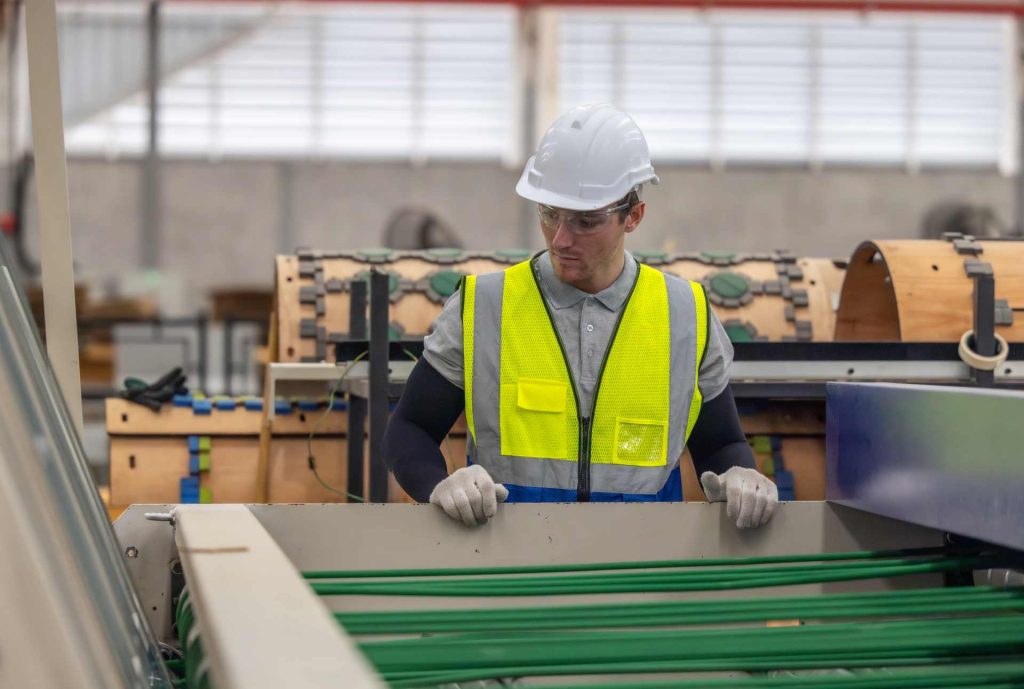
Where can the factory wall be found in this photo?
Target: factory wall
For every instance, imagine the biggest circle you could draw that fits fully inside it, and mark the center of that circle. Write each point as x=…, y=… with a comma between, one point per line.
x=223, y=221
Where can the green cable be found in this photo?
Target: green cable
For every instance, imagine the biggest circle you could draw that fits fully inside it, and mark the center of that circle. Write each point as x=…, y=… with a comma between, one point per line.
x=708, y=580
x=396, y=681
x=961, y=675
x=531, y=652
x=641, y=564
x=986, y=675
x=850, y=605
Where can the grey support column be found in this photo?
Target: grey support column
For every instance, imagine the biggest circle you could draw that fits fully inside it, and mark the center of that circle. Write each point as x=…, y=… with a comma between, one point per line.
x=52, y=200
x=150, y=232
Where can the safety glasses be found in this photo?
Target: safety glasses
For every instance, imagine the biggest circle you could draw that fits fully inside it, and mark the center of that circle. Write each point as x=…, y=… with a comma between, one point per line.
x=578, y=222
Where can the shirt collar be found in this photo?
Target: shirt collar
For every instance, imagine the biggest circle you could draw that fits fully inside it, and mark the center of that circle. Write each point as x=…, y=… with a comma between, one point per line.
x=562, y=295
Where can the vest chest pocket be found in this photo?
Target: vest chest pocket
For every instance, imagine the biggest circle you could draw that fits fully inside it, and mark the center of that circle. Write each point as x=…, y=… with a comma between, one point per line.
x=534, y=418
x=640, y=442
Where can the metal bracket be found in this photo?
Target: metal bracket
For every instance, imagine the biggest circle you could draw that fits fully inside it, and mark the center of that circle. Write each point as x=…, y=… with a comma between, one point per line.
x=984, y=325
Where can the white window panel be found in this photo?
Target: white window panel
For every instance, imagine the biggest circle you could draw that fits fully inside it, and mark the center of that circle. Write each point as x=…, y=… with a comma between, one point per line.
x=338, y=79
x=800, y=87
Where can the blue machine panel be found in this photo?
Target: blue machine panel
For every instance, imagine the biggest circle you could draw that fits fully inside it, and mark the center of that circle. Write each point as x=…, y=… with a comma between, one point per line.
x=943, y=457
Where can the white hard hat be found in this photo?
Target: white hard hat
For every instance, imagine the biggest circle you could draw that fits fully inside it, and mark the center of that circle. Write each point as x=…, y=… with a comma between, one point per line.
x=591, y=157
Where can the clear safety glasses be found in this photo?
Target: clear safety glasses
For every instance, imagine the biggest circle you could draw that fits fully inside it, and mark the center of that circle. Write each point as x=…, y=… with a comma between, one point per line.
x=578, y=222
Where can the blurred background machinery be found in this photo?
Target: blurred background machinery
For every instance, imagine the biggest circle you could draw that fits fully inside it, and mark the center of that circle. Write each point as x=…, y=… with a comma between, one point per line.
x=206, y=141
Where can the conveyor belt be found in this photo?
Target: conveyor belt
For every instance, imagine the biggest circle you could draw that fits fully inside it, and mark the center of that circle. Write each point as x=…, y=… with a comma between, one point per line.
x=945, y=637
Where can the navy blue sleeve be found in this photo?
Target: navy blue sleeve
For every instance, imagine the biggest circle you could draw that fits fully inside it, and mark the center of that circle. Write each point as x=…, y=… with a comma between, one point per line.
x=428, y=408
x=717, y=441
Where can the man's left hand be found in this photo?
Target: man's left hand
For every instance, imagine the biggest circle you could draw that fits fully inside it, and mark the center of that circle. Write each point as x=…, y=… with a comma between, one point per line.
x=750, y=496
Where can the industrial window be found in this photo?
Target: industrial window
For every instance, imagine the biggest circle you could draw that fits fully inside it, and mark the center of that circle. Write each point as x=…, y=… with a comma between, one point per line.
x=355, y=80
x=793, y=88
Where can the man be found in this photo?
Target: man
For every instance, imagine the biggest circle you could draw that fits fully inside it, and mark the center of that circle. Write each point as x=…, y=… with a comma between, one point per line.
x=582, y=373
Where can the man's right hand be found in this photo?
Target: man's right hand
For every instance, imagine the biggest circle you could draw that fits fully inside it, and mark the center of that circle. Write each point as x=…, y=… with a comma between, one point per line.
x=469, y=495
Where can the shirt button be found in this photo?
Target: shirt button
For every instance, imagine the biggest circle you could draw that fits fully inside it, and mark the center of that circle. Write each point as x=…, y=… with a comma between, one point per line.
x=590, y=328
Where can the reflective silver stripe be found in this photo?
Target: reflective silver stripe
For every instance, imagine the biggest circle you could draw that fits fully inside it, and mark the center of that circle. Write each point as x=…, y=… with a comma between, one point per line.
x=486, y=365
x=683, y=330
x=552, y=473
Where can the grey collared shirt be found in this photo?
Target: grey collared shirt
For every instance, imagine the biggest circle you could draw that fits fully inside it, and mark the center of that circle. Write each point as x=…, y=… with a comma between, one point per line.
x=585, y=323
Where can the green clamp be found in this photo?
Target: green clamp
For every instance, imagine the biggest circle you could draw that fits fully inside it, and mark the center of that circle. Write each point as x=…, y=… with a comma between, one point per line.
x=443, y=284
x=718, y=258
x=444, y=255
x=376, y=255
x=652, y=258
x=729, y=285
x=740, y=331
x=512, y=255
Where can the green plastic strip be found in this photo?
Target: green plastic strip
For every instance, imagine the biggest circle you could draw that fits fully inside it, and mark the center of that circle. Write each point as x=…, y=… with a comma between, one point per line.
x=944, y=601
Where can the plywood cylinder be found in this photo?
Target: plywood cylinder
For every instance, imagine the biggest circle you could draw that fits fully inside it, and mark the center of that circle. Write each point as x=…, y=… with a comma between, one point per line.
x=920, y=290
x=780, y=297
x=421, y=281
x=772, y=296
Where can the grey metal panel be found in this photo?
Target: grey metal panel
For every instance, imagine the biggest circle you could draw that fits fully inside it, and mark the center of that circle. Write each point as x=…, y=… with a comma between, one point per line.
x=946, y=458
x=70, y=617
x=370, y=536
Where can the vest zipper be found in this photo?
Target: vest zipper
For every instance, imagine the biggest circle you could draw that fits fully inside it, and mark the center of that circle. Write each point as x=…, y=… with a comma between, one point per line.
x=584, y=480
x=583, y=462
x=584, y=423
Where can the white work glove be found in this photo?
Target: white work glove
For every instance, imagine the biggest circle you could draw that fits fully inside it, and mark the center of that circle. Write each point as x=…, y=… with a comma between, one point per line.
x=470, y=495
x=751, y=497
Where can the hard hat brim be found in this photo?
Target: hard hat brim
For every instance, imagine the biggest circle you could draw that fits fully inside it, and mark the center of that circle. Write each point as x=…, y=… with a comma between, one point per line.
x=573, y=203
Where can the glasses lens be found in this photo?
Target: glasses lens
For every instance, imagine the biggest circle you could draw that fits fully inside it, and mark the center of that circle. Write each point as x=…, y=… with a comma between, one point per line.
x=578, y=223
x=588, y=222
x=549, y=216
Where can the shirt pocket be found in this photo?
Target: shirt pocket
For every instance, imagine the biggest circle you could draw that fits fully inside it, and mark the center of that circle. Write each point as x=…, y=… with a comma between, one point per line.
x=534, y=418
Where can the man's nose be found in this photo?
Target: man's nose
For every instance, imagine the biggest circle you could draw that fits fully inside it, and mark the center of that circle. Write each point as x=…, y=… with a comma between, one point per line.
x=563, y=237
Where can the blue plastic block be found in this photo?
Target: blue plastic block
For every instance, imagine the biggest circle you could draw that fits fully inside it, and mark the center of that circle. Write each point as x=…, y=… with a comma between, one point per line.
x=182, y=400
x=339, y=405
x=308, y=405
x=784, y=480
x=189, y=489
x=202, y=407
x=776, y=443
x=226, y=405
x=254, y=404
x=282, y=407
x=193, y=443
x=193, y=464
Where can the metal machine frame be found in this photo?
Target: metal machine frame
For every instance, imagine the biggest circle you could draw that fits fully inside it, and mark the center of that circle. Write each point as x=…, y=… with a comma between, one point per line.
x=249, y=603
x=876, y=432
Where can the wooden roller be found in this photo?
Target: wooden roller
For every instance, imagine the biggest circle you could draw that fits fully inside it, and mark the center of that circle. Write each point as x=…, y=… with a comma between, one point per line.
x=920, y=290
x=772, y=296
x=421, y=281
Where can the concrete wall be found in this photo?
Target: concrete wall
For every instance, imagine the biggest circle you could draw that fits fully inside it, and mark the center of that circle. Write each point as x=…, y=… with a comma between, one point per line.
x=224, y=221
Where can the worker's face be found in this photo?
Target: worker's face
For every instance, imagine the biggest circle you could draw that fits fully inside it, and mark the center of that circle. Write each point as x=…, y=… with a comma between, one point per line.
x=587, y=248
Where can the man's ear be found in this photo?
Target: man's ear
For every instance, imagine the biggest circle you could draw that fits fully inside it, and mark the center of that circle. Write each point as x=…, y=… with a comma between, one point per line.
x=636, y=215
